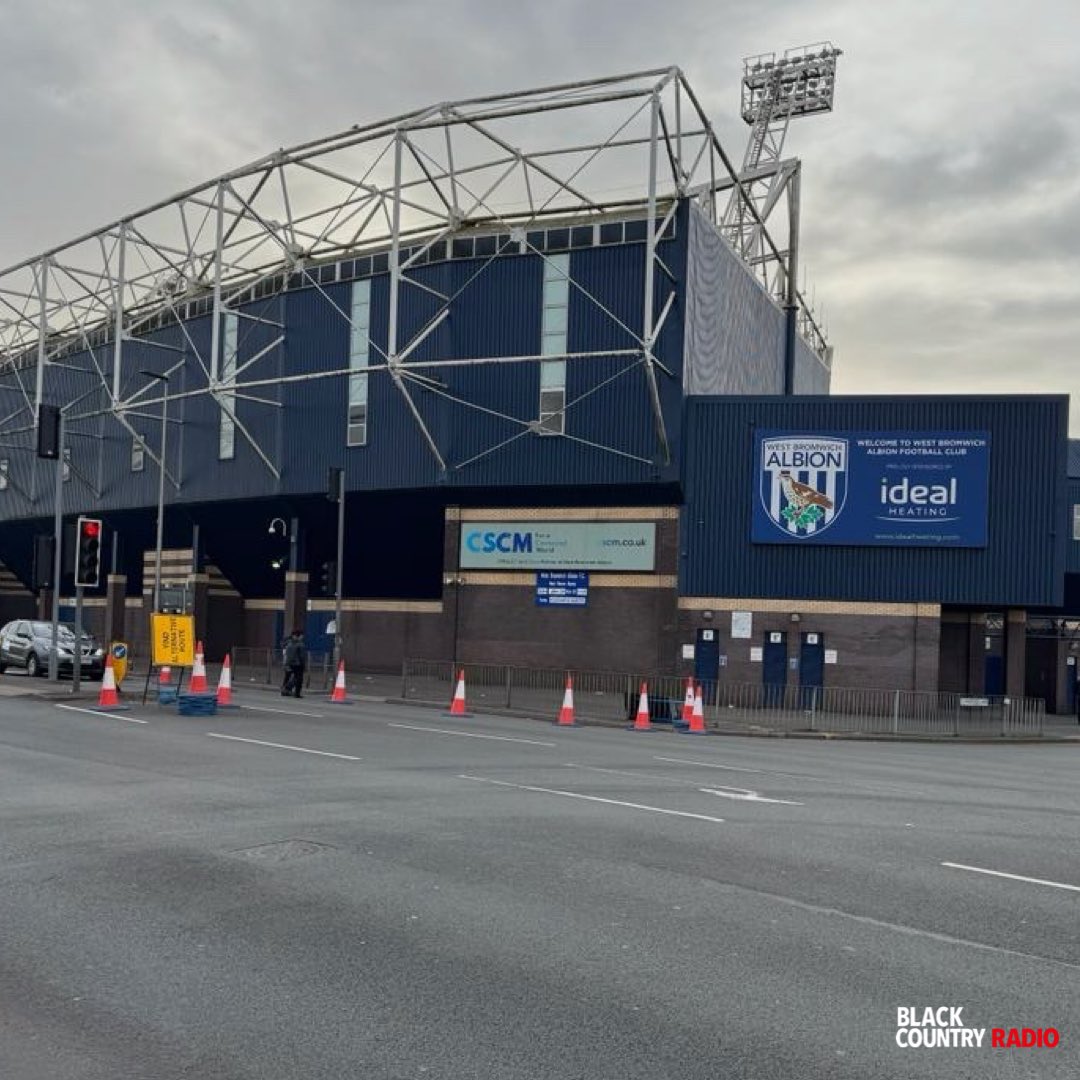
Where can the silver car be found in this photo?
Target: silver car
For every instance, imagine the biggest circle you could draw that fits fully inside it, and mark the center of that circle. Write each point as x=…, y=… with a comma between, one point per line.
x=25, y=643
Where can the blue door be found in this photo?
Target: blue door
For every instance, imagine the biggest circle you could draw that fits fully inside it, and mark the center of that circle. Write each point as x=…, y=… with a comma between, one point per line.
x=774, y=667
x=707, y=663
x=811, y=667
x=994, y=677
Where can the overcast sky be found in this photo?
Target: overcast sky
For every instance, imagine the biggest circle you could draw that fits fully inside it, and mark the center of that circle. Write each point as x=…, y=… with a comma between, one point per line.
x=941, y=199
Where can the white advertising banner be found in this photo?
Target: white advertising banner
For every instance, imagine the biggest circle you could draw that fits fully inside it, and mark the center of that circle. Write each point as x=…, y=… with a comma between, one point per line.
x=548, y=545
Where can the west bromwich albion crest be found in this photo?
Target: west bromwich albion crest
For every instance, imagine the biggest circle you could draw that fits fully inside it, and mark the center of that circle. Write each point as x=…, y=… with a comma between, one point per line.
x=803, y=482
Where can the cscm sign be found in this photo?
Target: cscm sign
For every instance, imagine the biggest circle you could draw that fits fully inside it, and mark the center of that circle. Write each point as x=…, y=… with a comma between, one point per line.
x=558, y=545
x=507, y=542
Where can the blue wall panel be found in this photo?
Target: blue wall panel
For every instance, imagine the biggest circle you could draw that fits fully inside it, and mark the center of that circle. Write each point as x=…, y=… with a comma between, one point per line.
x=1022, y=564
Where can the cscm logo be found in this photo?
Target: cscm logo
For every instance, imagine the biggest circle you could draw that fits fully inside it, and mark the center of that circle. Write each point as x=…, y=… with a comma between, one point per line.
x=487, y=543
x=803, y=482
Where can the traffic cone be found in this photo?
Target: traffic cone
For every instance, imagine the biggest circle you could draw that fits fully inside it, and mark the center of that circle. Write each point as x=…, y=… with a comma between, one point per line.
x=224, y=687
x=164, y=676
x=198, y=684
x=688, y=702
x=457, y=706
x=107, y=697
x=641, y=721
x=697, y=717
x=338, y=696
x=566, y=713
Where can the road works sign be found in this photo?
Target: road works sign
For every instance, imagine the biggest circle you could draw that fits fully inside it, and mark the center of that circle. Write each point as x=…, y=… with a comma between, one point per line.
x=119, y=652
x=173, y=639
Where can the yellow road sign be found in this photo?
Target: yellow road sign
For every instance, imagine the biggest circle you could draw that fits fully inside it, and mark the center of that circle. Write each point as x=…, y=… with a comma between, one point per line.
x=173, y=639
x=119, y=652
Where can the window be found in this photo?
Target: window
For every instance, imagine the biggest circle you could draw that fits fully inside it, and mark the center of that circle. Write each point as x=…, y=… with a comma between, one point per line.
x=359, y=355
x=1076, y=522
x=553, y=343
x=227, y=431
x=138, y=454
x=4, y=466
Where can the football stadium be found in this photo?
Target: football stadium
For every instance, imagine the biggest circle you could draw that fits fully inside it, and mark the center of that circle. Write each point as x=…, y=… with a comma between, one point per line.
x=524, y=381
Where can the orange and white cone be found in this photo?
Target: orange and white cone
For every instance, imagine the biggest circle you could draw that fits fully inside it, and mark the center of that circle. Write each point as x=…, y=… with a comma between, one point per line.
x=457, y=706
x=164, y=676
x=107, y=696
x=338, y=695
x=641, y=721
x=198, y=684
x=688, y=702
x=697, y=717
x=224, y=687
x=566, y=713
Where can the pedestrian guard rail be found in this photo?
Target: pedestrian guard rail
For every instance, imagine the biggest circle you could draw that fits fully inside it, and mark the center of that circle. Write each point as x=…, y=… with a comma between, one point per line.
x=613, y=696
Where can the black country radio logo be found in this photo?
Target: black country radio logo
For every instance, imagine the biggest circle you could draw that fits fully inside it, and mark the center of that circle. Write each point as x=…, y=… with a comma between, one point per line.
x=942, y=1027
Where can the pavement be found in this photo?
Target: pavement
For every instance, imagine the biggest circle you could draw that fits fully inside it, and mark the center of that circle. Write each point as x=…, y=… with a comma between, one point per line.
x=300, y=890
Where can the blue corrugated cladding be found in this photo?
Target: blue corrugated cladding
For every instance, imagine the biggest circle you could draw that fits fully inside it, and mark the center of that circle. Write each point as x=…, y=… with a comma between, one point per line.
x=1072, y=508
x=477, y=415
x=301, y=426
x=1022, y=564
x=1074, y=459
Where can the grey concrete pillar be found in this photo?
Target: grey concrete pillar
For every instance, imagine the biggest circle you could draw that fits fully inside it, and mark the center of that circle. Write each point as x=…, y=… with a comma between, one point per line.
x=296, y=599
x=115, y=600
x=1015, y=652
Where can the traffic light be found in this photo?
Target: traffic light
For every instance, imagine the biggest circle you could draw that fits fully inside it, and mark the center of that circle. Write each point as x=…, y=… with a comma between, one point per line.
x=44, y=551
x=333, y=483
x=88, y=552
x=328, y=578
x=48, y=431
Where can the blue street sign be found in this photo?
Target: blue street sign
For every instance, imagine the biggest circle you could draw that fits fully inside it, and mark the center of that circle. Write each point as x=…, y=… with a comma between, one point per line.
x=562, y=588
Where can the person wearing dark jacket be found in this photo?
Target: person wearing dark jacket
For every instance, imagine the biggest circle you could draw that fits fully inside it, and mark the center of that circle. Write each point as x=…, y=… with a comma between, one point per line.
x=295, y=664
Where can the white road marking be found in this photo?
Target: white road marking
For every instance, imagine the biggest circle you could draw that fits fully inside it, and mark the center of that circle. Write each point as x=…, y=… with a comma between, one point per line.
x=470, y=734
x=900, y=928
x=593, y=798
x=745, y=795
x=110, y=715
x=285, y=712
x=1013, y=877
x=282, y=746
x=740, y=794
x=738, y=768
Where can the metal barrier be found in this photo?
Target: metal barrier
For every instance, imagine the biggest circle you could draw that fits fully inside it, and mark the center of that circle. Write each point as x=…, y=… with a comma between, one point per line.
x=266, y=665
x=609, y=695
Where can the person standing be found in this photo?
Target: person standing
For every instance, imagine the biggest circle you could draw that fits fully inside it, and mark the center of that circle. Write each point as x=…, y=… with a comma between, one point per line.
x=295, y=664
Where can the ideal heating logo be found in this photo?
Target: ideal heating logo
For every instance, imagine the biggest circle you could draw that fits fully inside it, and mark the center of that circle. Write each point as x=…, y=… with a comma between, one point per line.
x=509, y=543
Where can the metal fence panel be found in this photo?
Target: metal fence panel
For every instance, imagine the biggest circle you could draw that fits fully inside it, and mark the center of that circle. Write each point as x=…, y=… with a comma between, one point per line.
x=613, y=696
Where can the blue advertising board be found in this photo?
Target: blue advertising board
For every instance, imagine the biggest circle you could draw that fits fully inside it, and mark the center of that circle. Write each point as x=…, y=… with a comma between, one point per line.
x=892, y=488
x=562, y=588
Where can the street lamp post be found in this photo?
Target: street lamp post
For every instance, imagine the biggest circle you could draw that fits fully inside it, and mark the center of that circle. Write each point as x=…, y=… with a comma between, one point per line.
x=161, y=484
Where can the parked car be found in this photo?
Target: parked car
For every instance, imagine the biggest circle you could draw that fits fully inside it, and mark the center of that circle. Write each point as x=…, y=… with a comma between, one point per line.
x=25, y=643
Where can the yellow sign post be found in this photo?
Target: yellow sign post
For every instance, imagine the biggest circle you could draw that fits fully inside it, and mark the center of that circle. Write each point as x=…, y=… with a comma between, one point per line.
x=173, y=640
x=119, y=652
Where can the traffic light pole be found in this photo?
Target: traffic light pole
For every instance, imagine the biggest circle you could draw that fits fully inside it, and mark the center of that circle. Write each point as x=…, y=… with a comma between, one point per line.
x=340, y=566
x=58, y=544
x=76, y=653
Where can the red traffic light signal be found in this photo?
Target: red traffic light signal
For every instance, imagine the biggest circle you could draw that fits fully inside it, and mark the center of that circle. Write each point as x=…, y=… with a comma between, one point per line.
x=88, y=553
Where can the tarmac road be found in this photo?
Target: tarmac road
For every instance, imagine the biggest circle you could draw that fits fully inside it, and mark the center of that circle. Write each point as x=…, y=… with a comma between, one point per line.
x=298, y=890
